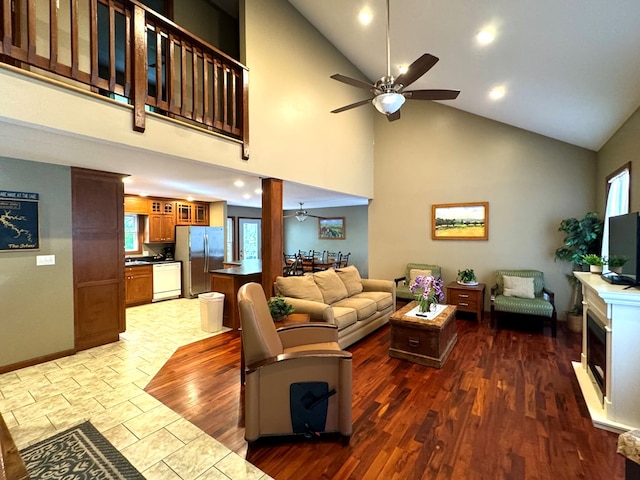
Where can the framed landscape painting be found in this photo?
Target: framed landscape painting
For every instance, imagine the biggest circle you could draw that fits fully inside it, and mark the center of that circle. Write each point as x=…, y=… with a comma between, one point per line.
x=331, y=228
x=460, y=221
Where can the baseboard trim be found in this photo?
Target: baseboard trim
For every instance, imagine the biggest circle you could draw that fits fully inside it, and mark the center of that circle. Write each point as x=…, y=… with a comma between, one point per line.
x=36, y=361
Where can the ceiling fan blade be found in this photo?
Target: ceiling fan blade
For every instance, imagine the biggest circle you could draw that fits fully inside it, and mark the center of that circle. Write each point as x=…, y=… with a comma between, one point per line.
x=431, y=94
x=353, y=105
x=418, y=68
x=354, y=82
x=392, y=117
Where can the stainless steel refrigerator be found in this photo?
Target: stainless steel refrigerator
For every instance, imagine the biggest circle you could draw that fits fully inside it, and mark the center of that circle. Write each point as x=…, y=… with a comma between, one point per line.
x=200, y=249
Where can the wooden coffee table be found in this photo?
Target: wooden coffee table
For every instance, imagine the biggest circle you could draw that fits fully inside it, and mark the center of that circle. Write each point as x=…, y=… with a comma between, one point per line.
x=427, y=342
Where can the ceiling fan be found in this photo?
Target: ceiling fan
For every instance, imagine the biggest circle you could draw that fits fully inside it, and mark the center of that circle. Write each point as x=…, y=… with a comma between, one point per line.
x=301, y=215
x=389, y=92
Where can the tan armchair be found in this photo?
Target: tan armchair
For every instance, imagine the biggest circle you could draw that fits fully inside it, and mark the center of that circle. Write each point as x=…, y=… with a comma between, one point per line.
x=279, y=400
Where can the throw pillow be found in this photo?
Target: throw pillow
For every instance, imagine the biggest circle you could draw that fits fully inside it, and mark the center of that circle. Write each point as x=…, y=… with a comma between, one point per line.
x=330, y=285
x=521, y=287
x=351, y=279
x=302, y=287
x=414, y=272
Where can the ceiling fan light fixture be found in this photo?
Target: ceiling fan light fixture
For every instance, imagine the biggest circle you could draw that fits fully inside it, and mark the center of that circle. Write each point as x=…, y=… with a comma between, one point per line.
x=388, y=103
x=301, y=217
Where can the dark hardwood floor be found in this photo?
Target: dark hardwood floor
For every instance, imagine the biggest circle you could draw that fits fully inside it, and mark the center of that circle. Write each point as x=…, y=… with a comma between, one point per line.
x=506, y=405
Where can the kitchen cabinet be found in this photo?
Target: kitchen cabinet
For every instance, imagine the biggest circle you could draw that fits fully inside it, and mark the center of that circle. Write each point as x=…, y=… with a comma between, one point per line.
x=138, y=285
x=192, y=213
x=160, y=228
x=161, y=221
x=161, y=206
x=135, y=204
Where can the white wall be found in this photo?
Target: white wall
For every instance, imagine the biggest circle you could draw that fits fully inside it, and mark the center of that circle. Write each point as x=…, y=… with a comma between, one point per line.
x=436, y=154
x=293, y=134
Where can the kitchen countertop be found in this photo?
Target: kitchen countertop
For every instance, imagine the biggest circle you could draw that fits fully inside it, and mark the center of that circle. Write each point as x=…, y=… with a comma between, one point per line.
x=138, y=261
x=248, y=267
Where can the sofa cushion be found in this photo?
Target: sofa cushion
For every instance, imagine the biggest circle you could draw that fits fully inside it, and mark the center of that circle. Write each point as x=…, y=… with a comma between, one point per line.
x=521, y=287
x=344, y=316
x=330, y=286
x=383, y=299
x=299, y=287
x=351, y=279
x=364, y=307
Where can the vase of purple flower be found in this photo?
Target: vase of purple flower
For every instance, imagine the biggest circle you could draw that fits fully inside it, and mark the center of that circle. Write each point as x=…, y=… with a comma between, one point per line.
x=428, y=291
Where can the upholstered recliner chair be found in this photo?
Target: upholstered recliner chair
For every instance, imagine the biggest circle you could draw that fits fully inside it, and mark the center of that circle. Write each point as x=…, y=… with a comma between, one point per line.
x=411, y=272
x=522, y=292
x=298, y=380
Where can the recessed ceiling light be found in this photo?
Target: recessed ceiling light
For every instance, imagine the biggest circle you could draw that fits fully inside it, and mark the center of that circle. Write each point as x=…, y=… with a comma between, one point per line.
x=485, y=37
x=127, y=180
x=365, y=16
x=239, y=183
x=189, y=199
x=143, y=194
x=258, y=191
x=246, y=196
x=497, y=93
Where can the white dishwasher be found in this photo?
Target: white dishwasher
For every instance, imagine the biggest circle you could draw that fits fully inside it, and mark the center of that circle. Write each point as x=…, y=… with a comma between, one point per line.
x=167, y=280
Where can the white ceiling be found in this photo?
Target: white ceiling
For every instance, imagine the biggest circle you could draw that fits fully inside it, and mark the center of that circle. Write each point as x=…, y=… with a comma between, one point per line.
x=571, y=68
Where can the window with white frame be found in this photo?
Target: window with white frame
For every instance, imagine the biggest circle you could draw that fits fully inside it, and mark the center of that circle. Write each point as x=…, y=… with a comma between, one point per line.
x=618, y=187
x=131, y=234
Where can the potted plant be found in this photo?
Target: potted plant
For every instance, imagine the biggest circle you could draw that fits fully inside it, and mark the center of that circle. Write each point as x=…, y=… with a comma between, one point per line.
x=581, y=238
x=279, y=308
x=467, y=277
x=616, y=263
x=594, y=261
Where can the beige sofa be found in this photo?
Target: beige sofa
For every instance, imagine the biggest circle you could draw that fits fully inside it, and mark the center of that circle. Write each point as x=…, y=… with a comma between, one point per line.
x=358, y=306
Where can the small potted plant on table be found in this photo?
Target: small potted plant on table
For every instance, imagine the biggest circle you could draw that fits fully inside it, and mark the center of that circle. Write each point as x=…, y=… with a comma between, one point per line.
x=616, y=263
x=467, y=277
x=279, y=308
x=594, y=261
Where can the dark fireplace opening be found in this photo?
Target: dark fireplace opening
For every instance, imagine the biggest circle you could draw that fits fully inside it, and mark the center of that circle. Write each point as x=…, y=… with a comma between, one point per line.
x=597, y=353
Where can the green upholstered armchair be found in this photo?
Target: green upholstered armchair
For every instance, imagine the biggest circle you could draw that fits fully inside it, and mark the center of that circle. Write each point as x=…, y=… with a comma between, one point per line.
x=403, y=283
x=516, y=294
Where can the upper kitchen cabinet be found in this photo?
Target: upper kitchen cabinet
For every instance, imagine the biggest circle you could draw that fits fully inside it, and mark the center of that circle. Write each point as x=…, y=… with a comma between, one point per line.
x=135, y=204
x=192, y=213
x=161, y=221
x=161, y=206
x=161, y=228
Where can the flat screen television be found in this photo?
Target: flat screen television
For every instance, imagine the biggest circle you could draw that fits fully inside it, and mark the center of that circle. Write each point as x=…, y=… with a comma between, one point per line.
x=624, y=241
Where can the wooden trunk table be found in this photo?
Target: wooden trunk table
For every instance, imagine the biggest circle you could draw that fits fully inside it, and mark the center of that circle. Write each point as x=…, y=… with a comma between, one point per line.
x=427, y=342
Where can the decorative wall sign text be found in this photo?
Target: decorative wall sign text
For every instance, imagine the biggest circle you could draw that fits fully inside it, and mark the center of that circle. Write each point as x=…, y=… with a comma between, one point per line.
x=19, y=221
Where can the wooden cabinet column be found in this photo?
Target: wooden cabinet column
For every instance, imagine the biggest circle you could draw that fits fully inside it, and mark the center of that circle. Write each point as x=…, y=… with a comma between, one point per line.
x=272, y=223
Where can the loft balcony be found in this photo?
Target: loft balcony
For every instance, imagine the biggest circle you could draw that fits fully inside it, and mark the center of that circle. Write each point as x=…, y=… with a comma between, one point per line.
x=126, y=51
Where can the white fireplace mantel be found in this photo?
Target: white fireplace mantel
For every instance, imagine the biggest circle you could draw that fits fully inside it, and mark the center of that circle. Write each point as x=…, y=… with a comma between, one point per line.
x=619, y=309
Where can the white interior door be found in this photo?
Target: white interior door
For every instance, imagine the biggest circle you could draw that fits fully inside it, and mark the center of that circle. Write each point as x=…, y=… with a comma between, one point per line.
x=250, y=241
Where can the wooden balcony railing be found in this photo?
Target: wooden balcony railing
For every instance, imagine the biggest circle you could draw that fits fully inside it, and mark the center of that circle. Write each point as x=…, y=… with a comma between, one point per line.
x=127, y=51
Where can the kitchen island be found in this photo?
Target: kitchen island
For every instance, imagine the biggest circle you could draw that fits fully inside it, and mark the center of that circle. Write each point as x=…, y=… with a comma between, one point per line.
x=228, y=281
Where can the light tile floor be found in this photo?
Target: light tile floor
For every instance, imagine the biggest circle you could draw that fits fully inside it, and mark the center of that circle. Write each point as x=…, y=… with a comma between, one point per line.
x=106, y=386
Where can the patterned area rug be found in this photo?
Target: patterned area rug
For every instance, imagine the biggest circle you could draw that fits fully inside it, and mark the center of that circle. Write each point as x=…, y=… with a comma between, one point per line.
x=77, y=454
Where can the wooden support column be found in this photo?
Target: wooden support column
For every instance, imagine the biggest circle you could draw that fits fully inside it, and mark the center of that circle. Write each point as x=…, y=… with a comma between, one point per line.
x=271, y=232
x=139, y=92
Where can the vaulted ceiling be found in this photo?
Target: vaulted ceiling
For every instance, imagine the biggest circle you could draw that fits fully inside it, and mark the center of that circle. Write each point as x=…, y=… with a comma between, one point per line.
x=570, y=69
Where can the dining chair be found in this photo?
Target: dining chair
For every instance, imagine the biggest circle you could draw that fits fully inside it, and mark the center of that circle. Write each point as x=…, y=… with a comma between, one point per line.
x=344, y=259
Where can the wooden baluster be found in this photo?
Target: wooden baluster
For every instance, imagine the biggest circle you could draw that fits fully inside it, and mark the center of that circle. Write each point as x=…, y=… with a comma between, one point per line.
x=139, y=69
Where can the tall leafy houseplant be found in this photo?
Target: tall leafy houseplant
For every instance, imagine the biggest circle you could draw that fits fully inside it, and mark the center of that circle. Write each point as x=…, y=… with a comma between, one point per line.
x=582, y=237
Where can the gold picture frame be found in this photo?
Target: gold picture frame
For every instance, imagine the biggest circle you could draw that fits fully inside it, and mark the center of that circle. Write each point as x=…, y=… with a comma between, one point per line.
x=332, y=228
x=460, y=221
